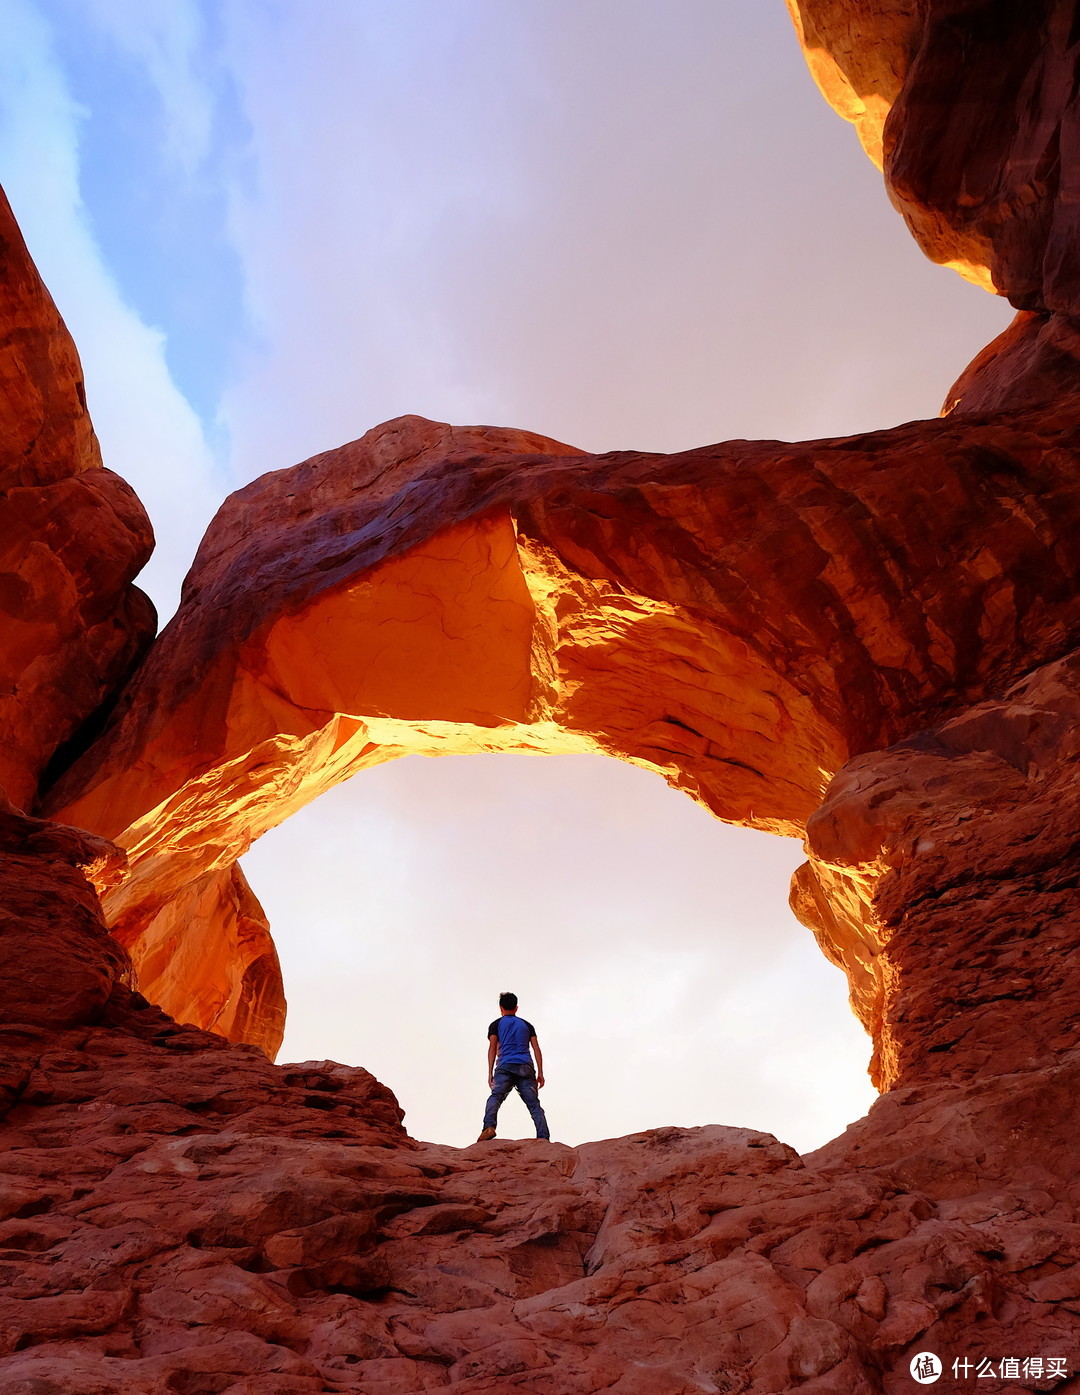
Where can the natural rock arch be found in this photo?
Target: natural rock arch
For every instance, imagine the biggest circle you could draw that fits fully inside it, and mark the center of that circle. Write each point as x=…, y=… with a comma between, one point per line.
x=827, y=600
x=743, y=618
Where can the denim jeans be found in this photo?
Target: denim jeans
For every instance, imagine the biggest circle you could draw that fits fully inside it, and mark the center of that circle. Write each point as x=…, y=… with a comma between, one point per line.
x=522, y=1078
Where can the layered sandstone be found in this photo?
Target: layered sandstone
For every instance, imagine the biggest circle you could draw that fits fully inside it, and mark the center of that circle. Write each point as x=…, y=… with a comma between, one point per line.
x=742, y=619
x=943, y=879
x=58, y=963
x=1034, y=363
x=208, y=957
x=969, y=106
x=178, y=1215
x=72, y=537
x=859, y=53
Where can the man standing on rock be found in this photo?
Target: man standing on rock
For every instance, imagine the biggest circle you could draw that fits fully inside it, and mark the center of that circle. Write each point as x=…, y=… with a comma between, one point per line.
x=510, y=1038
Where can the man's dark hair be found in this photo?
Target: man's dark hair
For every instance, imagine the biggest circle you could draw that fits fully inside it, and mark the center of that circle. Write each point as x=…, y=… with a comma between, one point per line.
x=508, y=1000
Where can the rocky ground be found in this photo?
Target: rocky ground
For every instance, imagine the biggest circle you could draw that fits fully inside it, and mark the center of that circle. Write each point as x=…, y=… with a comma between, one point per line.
x=180, y=1215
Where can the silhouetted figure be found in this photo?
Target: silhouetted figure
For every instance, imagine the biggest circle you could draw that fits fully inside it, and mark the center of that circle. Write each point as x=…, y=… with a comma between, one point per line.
x=510, y=1039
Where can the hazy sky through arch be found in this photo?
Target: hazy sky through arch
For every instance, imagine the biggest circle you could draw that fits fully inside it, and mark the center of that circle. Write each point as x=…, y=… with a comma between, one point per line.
x=649, y=943
x=271, y=226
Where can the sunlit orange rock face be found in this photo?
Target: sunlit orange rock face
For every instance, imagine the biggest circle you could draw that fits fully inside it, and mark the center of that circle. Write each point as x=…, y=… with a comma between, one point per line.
x=970, y=107
x=943, y=879
x=208, y=957
x=741, y=618
x=72, y=537
x=859, y=52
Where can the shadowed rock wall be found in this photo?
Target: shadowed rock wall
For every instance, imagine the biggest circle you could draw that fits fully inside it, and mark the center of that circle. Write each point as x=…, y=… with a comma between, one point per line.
x=970, y=107
x=72, y=538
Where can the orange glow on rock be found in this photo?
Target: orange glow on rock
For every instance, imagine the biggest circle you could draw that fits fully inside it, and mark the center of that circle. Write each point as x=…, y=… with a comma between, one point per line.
x=741, y=620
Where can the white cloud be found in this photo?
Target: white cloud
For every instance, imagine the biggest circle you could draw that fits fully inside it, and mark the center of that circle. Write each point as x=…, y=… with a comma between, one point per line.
x=617, y=225
x=170, y=42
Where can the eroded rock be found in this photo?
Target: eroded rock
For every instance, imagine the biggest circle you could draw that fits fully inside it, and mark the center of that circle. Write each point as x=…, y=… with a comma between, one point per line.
x=72, y=537
x=874, y=637
x=950, y=860
x=178, y=1214
x=970, y=108
x=741, y=619
x=58, y=963
x=208, y=957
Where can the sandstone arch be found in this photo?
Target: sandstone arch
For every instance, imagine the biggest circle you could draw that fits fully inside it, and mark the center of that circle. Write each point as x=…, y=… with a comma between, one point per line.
x=821, y=635
x=743, y=619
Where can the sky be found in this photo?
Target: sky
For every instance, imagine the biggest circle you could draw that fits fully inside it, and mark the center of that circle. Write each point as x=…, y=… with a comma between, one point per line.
x=271, y=226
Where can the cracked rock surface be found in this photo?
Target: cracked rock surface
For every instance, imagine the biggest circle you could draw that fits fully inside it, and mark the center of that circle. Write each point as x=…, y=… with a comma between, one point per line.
x=176, y=1214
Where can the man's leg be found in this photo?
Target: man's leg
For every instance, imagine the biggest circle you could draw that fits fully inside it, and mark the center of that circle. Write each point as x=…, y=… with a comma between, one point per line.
x=501, y=1087
x=526, y=1087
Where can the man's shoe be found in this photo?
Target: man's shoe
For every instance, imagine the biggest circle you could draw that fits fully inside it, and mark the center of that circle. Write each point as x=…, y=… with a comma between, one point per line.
x=485, y=1135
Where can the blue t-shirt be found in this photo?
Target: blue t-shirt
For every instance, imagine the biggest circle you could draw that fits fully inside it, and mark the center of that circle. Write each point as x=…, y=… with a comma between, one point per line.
x=514, y=1035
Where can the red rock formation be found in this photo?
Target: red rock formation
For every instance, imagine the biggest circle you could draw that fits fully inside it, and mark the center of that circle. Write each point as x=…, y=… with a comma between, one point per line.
x=208, y=957
x=72, y=537
x=58, y=963
x=878, y=637
x=970, y=107
x=178, y=1215
x=742, y=619
x=1034, y=363
x=859, y=52
x=943, y=878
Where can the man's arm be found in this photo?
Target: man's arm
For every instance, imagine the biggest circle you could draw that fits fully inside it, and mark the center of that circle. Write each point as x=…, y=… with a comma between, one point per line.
x=493, y=1047
x=539, y=1062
